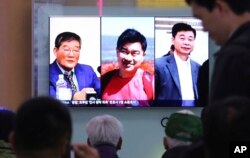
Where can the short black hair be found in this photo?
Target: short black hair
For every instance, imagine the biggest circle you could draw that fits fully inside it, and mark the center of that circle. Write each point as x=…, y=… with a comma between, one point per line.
x=131, y=36
x=182, y=27
x=66, y=36
x=237, y=8
x=41, y=123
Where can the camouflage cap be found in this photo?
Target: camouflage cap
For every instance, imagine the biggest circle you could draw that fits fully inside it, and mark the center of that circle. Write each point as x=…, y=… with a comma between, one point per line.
x=185, y=127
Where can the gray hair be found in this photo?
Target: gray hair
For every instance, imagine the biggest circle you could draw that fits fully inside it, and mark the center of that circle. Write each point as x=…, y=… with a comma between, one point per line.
x=104, y=129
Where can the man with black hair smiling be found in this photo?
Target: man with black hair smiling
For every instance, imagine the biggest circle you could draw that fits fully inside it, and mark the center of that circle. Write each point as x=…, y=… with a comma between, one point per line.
x=129, y=81
x=176, y=74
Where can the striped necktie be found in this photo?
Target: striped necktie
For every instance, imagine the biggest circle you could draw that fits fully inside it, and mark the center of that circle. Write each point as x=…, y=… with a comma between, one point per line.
x=69, y=75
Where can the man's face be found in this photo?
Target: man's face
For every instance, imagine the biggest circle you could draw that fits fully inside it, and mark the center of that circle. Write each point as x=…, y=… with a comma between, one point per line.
x=184, y=42
x=130, y=56
x=212, y=21
x=68, y=54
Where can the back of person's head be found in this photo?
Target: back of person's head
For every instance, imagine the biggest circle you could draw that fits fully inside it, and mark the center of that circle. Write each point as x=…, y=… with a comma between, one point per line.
x=225, y=122
x=131, y=36
x=6, y=123
x=182, y=27
x=182, y=128
x=42, y=123
x=66, y=36
x=104, y=129
x=237, y=8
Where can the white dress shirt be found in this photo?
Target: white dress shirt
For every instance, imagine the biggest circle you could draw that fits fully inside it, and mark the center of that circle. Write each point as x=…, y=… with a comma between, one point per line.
x=185, y=77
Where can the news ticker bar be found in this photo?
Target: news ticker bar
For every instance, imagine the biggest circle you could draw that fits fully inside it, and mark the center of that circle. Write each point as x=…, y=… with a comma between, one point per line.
x=101, y=102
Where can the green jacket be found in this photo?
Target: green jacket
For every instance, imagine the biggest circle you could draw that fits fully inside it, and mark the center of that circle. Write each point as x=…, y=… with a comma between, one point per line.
x=6, y=151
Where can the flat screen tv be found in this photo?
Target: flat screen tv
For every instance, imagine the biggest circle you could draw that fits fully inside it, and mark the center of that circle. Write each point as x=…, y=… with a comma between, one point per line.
x=119, y=69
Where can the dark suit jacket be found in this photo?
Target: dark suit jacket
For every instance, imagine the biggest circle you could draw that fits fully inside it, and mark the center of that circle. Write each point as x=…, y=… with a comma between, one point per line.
x=85, y=76
x=231, y=73
x=203, y=84
x=167, y=79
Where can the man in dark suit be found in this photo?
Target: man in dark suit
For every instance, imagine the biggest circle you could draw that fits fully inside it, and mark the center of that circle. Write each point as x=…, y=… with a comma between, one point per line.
x=228, y=24
x=176, y=74
x=67, y=52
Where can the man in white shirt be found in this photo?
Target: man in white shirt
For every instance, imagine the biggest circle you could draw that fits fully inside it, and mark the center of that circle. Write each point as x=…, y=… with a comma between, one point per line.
x=176, y=74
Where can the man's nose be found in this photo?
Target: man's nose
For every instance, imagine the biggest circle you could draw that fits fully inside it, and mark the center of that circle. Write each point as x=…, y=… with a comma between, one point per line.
x=187, y=42
x=71, y=52
x=128, y=57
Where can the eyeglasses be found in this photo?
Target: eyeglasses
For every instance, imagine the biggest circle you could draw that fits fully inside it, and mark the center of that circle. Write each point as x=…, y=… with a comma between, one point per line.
x=68, y=50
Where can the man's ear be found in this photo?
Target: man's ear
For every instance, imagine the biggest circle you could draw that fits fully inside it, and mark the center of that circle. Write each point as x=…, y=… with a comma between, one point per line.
x=165, y=143
x=119, y=144
x=11, y=140
x=172, y=40
x=222, y=7
x=55, y=51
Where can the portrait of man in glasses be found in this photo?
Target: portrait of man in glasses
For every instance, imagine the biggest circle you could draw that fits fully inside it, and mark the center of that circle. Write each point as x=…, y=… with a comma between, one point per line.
x=80, y=78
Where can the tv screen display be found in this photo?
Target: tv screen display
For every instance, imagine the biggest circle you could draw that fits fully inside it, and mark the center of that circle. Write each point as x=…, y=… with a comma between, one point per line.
x=117, y=61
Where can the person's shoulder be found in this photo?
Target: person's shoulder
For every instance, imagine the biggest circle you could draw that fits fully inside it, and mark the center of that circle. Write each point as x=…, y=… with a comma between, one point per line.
x=110, y=73
x=5, y=150
x=163, y=59
x=53, y=64
x=195, y=63
x=83, y=67
x=241, y=35
x=105, y=78
x=238, y=44
x=234, y=51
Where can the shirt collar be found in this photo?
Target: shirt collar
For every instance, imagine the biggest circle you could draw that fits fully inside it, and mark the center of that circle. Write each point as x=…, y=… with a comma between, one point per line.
x=63, y=71
x=179, y=60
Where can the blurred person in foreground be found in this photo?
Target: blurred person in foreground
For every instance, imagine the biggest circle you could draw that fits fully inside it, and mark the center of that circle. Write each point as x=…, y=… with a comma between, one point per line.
x=228, y=24
x=226, y=123
x=105, y=134
x=182, y=129
x=225, y=126
x=43, y=129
